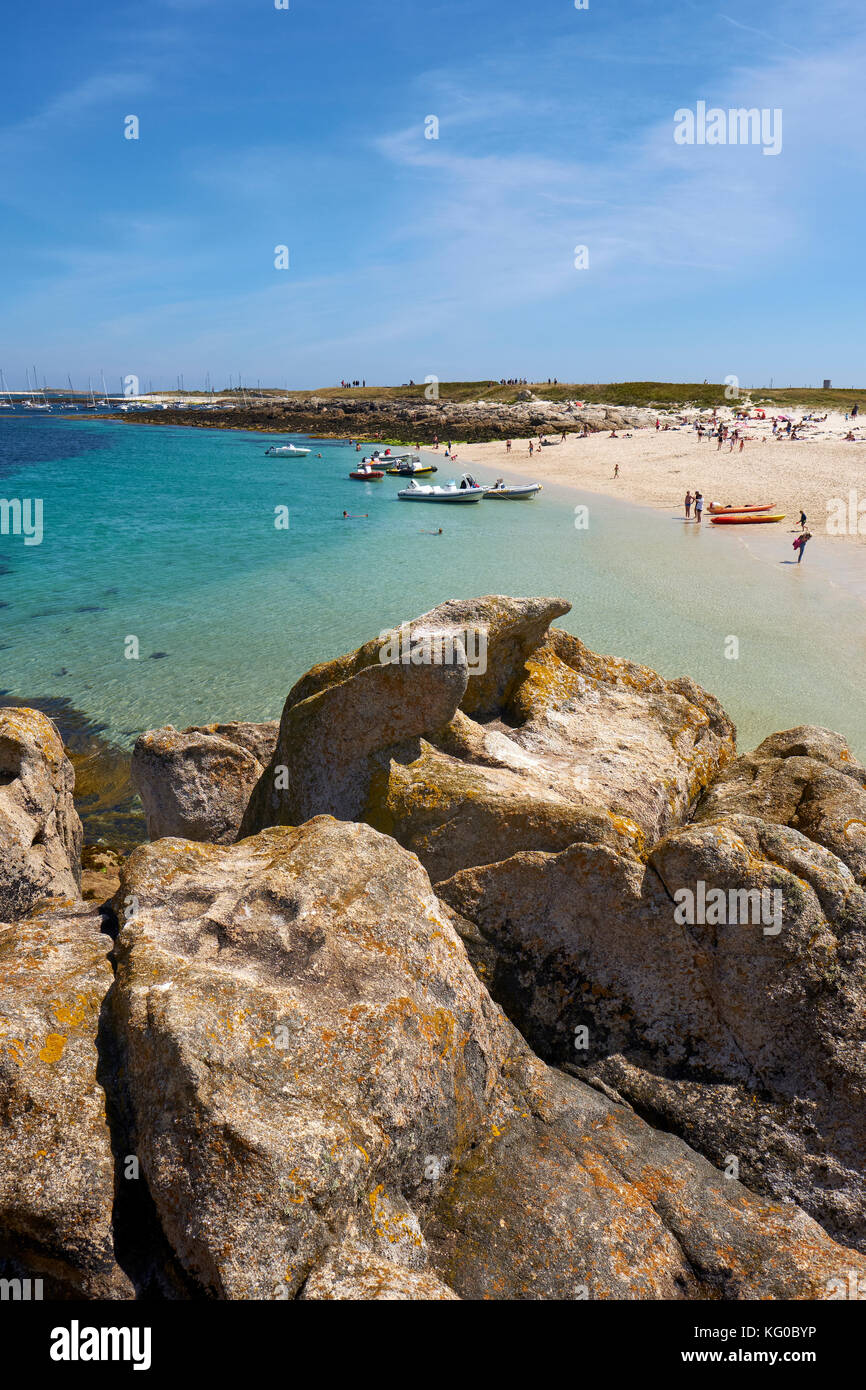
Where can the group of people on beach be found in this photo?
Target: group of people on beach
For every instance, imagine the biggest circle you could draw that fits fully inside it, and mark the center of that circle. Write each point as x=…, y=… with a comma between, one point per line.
x=696, y=501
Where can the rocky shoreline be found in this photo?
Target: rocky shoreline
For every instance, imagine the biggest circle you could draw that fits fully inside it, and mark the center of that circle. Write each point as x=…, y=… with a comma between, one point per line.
x=415, y=993
x=407, y=421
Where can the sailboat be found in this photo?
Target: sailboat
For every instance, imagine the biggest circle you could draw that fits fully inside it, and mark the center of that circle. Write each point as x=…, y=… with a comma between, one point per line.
x=33, y=403
x=8, y=404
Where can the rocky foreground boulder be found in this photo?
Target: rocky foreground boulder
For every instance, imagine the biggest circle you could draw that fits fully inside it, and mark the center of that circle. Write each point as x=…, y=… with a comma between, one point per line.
x=806, y=778
x=491, y=971
x=57, y=1170
x=40, y=832
x=547, y=736
x=326, y=1103
x=589, y=954
x=197, y=782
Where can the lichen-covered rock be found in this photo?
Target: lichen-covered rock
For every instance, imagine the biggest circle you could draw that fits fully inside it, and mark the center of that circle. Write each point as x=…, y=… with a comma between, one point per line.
x=331, y=744
x=454, y=814
x=547, y=745
x=57, y=1170
x=680, y=1008
x=638, y=745
x=806, y=778
x=40, y=833
x=573, y=1196
x=196, y=782
x=325, y=1101
x=511, y=628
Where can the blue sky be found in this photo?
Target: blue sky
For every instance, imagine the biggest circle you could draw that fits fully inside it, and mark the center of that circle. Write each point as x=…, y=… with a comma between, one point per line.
x=408, y=256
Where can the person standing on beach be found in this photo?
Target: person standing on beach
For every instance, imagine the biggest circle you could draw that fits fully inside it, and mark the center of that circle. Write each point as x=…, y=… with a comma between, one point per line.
x=802, y=520
x=530, y=448
x=699, y=507
x=508, y=446
x=800, y=543
x=689, y=501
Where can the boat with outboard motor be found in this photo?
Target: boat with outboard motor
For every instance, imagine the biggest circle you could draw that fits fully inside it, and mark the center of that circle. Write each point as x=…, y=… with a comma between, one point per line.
x=291, y=450
x=467, y=491
x=412, y=468
x=512, y=492
x=366, y=474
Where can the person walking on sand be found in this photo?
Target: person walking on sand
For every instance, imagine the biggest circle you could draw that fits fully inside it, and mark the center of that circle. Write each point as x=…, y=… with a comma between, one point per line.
x=616, y=470
x=699, y=507
x=802, y=520
x=689, y=501
x=530, y=448
x=742, y=445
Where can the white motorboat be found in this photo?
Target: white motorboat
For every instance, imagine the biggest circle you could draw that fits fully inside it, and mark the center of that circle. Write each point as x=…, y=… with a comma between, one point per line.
x=380, y=456
x=467, y=491
x=412, y=468
x=291, y=449
x=512, y=492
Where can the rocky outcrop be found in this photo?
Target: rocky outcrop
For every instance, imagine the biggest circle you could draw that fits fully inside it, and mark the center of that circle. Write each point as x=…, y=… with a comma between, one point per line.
x=546, y=745
x=40, y=833
x=326, y=1103
x=411, y=419
x=345, y=719
x=806, y=778
x=602, y=961
x=57, y=1173
x=309, y=1091
x=196, y=783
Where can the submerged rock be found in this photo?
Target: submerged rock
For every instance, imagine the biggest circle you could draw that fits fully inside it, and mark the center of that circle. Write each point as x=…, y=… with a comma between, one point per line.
x=325, y=1101
x=40, y=833
x=57, y=1174
x=196, y=782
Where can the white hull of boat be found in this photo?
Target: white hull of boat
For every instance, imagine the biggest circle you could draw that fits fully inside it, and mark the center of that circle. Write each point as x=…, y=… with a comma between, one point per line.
x=416, y=493
x=287, y=450
x=522, y=493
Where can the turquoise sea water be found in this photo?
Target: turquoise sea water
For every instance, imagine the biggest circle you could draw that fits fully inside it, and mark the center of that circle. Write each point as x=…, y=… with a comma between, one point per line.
x=167, y=534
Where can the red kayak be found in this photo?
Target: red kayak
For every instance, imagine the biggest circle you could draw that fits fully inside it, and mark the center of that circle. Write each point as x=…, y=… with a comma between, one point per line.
x=364, y=476
x=722, y=511
x=744, y=518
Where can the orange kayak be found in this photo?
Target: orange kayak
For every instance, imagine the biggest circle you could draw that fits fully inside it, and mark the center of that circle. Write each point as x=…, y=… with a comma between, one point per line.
x=744, y=518
x=721, y=511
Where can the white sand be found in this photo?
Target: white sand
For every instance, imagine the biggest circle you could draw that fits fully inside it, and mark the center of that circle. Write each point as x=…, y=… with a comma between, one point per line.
x=657, y=467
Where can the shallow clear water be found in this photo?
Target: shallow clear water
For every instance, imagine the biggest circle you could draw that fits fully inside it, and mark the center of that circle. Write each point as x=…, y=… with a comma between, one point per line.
x=167, y=534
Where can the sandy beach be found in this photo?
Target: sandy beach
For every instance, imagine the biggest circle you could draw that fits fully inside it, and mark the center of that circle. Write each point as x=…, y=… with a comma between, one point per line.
x=657, y=467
